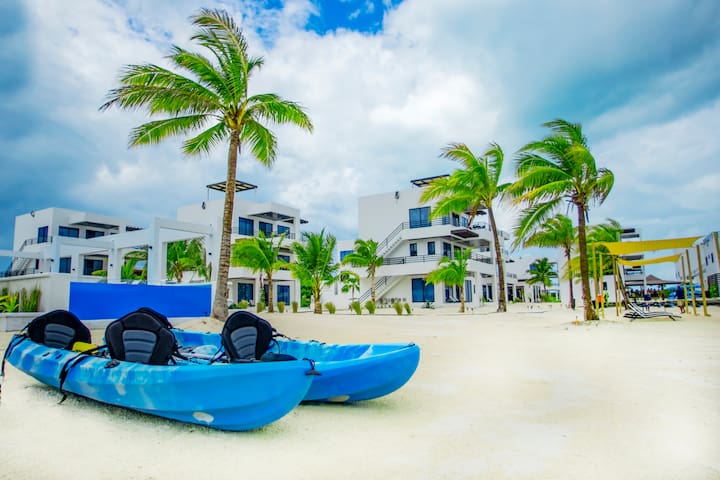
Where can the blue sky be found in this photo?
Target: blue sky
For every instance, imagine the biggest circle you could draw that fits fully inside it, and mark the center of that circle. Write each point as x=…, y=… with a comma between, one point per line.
x=387, y=84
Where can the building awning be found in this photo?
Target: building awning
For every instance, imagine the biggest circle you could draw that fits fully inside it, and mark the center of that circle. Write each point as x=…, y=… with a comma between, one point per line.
x=274, y=216
x=464, y=233
x=424, y=182
x=624, y=248
x=648, y=261
x=240, y=186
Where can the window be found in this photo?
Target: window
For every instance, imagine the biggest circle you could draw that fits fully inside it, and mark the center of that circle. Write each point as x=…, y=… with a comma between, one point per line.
x=266, y=228
x=91, y=265
x=284, y=257
x=431, y=248
x=42, y=235
x=447, y=250
x=421, y=291
x=456, y=220
x=468, y=290
x=344, y=253
x=245, y=292
x=283, y=229
x=94, y=233
x=464, y=221
x=283, y=294
x=65, y=263
x=419, y=217
x=245, y=226
x=413, y=249
x=69, y=232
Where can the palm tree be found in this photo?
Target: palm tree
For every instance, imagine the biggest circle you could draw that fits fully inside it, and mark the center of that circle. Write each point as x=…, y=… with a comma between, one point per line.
x=542, y=272
x=561, y=168
x=472, y=189
x=555, y=232
x=314, y=263
x=351, y=282
x=260, y=254
x=184, y=255
x=216, y=95
x=452, y=272
x=364, y=254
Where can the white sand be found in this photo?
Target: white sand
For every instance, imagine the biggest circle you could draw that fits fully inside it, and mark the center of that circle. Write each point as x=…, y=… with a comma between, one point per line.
x=521, y=395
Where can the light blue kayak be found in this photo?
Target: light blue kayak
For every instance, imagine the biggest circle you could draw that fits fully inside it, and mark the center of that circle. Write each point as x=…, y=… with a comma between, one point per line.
x=236, y=396
x=348, y=373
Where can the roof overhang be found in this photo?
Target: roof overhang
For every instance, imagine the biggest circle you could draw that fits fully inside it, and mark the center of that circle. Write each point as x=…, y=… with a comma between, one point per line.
x=464, y=233
x=274, y=216
x=240, y=186
x=424, y=182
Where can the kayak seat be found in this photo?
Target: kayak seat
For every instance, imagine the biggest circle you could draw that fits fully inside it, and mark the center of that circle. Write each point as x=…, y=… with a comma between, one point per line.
x=140, y=337
x=58, y=329
x=246, y=336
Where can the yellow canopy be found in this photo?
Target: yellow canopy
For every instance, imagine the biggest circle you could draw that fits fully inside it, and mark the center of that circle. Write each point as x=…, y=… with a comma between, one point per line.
x=649, y=261
x=625, y=248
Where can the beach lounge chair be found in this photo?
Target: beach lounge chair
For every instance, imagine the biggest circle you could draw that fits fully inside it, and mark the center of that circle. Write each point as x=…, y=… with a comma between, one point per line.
x=637, y=312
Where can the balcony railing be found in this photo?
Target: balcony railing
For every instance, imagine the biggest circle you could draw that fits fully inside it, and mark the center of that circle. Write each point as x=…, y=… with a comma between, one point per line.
x=430, y=258
x=288, y=235
x=19, y=272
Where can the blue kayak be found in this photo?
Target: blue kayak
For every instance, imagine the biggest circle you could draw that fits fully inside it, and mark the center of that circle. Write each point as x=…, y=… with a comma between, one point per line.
x=348, y=373
x=225, y=396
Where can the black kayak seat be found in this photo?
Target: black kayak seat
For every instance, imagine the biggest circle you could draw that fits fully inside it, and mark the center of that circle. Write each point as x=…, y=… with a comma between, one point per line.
x=245, y=336
x=58, y=329
x=140, y=337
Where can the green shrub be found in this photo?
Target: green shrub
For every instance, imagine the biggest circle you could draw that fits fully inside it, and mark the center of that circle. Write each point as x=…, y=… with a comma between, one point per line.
x=29, y=302
x=370, y=306
x=281, y=307
x=713, y=291
x=330, y=307
x=356, y=307
x=294, y=306
x=242, y=304
x=408, y=309
x=260, y=306
x=398, y=308
x=10, y=302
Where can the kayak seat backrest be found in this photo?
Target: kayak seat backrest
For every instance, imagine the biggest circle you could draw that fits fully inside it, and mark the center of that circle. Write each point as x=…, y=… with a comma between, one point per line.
x=58, y=329
x=246, y=336
x=140, y=337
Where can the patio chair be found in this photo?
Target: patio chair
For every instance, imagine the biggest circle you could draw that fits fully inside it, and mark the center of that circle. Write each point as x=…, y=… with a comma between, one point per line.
x=637, y=312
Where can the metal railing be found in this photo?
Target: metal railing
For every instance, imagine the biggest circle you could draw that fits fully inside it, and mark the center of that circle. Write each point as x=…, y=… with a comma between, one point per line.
x=288, y=235
x=383, y=281
x=18, y=272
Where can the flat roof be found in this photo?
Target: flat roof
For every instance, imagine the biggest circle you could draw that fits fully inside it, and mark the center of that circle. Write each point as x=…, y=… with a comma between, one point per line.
x=240, y=186
x=424, y=182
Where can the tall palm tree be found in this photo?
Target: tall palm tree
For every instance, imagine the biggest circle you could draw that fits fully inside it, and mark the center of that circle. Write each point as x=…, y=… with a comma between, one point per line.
x=260, y=254
x=473, y=188
x=560, y=168
x=314, y=264
x=555, y=232
x=215, y=94
x=452, y=273
x=351, y=282
x=364, y=254
x=542, y=272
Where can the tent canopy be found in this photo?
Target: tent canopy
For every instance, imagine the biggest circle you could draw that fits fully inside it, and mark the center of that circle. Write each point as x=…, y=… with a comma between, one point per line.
x=626, y=248
x=648, y=261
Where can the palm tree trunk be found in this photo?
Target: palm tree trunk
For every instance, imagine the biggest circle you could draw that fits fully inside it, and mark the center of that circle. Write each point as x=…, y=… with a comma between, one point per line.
x=570, y=284
x=316, y=293
x=270, y=292
x=372, y=286
x=502, y=305
x=584, y=271
x=219, y=308
x=462, y=296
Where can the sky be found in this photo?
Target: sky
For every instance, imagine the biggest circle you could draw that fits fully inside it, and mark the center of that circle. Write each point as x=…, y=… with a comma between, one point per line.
x=387, y=84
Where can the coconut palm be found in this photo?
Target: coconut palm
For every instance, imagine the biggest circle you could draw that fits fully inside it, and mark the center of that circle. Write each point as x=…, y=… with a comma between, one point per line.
x=260, y=254
x=213, y=100
x=473, y=188
x=555, y=232
x=351, y=282
x=560, y=168
x=314, y=264
x=364, y=254
x=542, y=272
x=184, y=255
x=452, y=273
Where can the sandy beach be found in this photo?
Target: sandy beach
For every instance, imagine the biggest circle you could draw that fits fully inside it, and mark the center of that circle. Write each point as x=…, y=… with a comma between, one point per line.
x=522, y=395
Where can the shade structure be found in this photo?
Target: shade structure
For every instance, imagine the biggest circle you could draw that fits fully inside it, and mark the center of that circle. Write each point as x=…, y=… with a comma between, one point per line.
x=649, y=261
x=626, y=248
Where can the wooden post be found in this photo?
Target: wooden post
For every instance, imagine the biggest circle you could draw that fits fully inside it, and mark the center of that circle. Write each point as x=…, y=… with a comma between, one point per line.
x=616, y=274
x=602, y=291
x=692, y=282
x=702, y=283
x=684, y=280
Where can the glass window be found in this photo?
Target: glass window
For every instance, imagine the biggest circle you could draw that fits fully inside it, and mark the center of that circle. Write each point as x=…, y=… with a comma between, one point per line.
x=245, y=227
x=266, y=228
x=284, y=257
x=420, y=217
x=447, y=250
x=283, y=294
x=344, y=253
x=283, y=229
x=413, y=249
x=456, y=220
x=69, y=232
x=42, y=235
x=431, y=248
x=468, y=290
x=65, y=263
x=91, y=265
x=421, y=291
x=94, y=233
x=245, y=292
x=464, y=221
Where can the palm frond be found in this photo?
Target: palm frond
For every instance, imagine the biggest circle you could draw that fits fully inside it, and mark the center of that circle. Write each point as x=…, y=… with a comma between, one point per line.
x=262, y=142
x=272, y=107
x=205, y=141
x=155, y=131
x=530, y=218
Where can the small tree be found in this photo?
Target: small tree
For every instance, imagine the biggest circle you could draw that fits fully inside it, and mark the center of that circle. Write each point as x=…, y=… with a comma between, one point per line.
x=452, y=272
x=351, y=282
x=365, y=254
x=542, y=272
x=260, y=254
x=314, y=264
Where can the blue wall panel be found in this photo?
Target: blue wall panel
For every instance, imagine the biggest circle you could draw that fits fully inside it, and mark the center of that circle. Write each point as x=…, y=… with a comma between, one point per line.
x=99, y=301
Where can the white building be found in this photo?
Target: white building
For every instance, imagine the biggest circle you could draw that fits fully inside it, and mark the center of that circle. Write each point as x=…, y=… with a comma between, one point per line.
x=709, y=248
x=412, y=245
x=55, y=246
